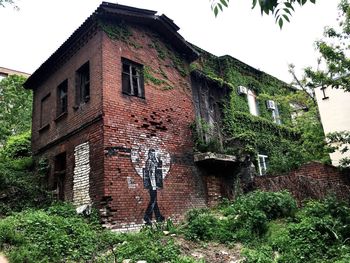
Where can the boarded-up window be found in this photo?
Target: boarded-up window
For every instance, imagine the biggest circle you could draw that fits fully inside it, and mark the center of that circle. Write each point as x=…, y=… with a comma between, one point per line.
x=132, y=78
x=82, y=78
x=45, y=111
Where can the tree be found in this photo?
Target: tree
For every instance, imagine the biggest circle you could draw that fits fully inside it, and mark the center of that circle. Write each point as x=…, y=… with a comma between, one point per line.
x=15, y=107
x=340, y=141
x=334, y=63
x=282, y=10
x=333, y=70
x=10, y=2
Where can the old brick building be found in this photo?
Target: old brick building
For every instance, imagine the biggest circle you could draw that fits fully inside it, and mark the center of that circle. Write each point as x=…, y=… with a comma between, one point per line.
x=113, y=110
x=106, y=102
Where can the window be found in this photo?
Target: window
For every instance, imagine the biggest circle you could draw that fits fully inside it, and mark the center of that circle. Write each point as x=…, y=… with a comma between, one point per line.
x=272, y=106
x=45, y=111
x=62, y=98
x=82, y=78
x=252, y=103
x=262, y=162
x=59, y=175
x=132, y=78
x=276, y=116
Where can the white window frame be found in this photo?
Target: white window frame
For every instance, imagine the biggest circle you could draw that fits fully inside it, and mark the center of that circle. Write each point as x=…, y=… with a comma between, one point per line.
x=252, y=103
x=276, y=115
x=262, y=170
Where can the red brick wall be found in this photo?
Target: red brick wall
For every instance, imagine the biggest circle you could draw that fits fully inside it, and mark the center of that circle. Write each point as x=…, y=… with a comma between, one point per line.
x=93, y=135
x=115, y=125
x=322, y=172
x=312, y=180
x=75, y=117
x=161, y=120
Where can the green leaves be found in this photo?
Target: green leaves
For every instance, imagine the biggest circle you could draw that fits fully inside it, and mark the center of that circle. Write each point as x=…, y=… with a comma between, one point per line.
x=217, y=5
x=15, y=107
x=334, y=54
x=282, y=10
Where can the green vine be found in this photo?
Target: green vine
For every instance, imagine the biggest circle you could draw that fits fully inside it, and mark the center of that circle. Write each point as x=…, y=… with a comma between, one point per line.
x=149, y=77
x=247, y=134
x=119, y=31
x=166, y=52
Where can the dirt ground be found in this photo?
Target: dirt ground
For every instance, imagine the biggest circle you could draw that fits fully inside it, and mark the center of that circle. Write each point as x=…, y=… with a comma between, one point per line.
x=210, y=252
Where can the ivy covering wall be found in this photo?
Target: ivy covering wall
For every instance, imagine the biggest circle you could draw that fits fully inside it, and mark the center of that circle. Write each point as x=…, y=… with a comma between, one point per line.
x=287, y=145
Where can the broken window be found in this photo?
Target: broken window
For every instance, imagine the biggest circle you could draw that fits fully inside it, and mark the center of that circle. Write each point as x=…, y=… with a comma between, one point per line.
x=45, y=111
x=82, y=78
x=62, y=98
x=132, y=78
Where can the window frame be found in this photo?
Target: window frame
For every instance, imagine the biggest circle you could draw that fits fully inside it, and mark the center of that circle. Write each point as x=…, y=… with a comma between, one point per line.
x=82, y=84
x=128, y=78
x=262, y=170
x=252, y=103
x=276, y=117
x=62, y=102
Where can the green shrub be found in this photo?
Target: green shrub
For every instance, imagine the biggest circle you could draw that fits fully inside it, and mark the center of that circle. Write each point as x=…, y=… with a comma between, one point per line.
x=18, y=146
x=273, y=204
x=248, y=216
x=263, y=254
x=41, y=237
x=58, y=234
x=317, y=233
x=19, y=185
x=201, y=225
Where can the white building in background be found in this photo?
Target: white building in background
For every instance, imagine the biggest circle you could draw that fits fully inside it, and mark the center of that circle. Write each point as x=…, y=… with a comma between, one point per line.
x=4, y=72
x=334, y=108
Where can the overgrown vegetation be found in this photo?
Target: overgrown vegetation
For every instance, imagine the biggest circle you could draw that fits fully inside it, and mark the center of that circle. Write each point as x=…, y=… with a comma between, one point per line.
x=19, y=183
x=272, y=229
x=58, y=234
x=269, y=225
x=294, y=142
x=15, y=107
x=35, y=229
x=244, y=220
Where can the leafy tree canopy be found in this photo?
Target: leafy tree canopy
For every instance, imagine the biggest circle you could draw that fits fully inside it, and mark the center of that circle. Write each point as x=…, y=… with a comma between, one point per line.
x=281, y=10
x=334, y=63
x=15, y=107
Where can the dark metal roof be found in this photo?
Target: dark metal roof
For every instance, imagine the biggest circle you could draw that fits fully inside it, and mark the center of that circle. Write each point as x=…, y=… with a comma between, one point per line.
x=162, y=24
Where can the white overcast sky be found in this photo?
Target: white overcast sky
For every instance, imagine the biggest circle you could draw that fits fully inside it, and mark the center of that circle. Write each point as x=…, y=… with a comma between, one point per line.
x=29, y=36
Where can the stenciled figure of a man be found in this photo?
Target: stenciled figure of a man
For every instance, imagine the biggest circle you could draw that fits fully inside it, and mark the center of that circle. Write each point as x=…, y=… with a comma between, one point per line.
x=153, y=180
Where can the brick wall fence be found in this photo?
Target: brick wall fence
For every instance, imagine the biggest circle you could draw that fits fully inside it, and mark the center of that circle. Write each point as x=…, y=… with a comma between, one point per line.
x=312, y=180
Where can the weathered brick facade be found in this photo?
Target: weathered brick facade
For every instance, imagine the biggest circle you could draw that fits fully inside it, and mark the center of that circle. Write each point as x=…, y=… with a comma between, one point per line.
x=133, y=125
x=113, y=110
x=109, y=138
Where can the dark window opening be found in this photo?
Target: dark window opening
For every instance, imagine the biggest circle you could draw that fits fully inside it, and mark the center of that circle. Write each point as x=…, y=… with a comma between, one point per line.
x=59, y=175
x=132, y=79
x=82, y=78
x=62, y=98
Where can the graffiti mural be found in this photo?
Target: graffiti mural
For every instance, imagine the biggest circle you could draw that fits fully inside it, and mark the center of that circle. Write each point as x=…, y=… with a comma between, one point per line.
x=152, y=163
